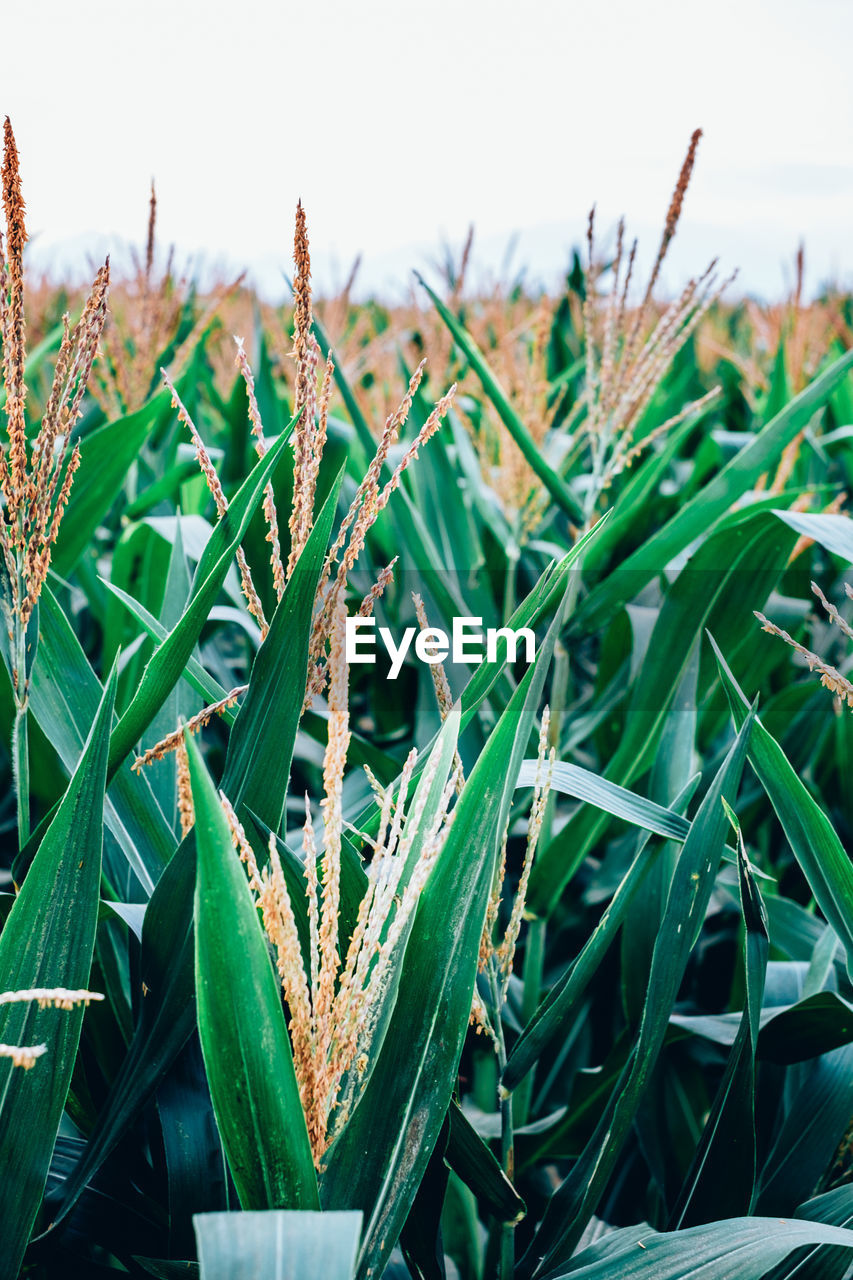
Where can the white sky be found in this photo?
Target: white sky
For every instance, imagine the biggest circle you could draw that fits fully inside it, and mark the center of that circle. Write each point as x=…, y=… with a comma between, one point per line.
x=400, y=123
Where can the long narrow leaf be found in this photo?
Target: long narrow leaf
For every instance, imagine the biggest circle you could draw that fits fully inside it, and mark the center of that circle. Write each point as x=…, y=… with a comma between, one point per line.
x=689, y=894
x=47, y=942
x=167, y=663
x=277, y=1245
x=244, y=1039
x=817, y=848
x=377, y=1162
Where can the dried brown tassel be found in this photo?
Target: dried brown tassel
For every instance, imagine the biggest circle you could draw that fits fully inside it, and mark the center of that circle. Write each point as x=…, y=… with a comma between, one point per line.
x=270, y=512
x=173, y=740
x=214, y=484
x=186, y=809
x=305, y=391
x=14, y=350
x=38, y=563
x=673, y=213
x=152, y=232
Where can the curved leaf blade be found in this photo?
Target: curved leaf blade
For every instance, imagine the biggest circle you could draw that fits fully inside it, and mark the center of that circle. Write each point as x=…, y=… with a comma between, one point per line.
x=690, y=891
x=377, y=1162
x=247, y=1054
x=48, y=941
x=277, y=1245
x=816, y=846
x=742, y=1247
x=168, y=661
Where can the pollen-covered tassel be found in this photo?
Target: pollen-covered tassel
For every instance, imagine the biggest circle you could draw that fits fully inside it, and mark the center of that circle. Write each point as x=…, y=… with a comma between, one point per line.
x=173, y=740
x=220, y=502
x=673, y=214
x=479, y=1018
x=830, y=678
x=441, y=684
x=376, y=592
x=832, y=613
x=37, y=563
x=305, y=391
x=23, y=1056
x=384, y=914
x=443, y=696
x=186, y=809
x=369, y=501
x=280, y=926
x=487, y=944
x=370, y=484
x=312, y=888
x=317, y=670
x=333, y=776
x=270, y=512
x=318, y=438
x=426, y=433
x=14, y=344
x=51, y=997
x=241, y=844
x=542, y=788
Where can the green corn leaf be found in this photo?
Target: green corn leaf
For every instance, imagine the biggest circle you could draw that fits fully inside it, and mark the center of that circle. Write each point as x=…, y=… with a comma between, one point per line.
x=48, y=941
x=745, y=1248
x=583, y=784
x=549, y=1021
x=817, y=848
x=166, y=1018
x=105, y=457
x=244, y=1039
x=277, y=1245
x=472, y=1160
x=824, y=1262
x=834, y=532
x=791, y=1033
x=167, y=663
x=554, y=483
x=378, y=1159
x=168, y=1011
x=195, y=1162
x=260, y=746
x=718, y=1185
x=690, y=891
x=671, y=772
x=816, y=1119
x=695, y=517
x=62, y=709
x=756, y=545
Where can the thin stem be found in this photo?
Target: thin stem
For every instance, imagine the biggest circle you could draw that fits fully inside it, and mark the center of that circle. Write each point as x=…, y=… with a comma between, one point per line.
x=507, y=1235
x=534, y=963
x=20, y=737
x=508, y=608
x=534, y=951
x=22, y=774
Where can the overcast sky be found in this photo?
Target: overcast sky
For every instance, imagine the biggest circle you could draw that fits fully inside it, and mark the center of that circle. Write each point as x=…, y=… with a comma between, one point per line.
x=398, y=124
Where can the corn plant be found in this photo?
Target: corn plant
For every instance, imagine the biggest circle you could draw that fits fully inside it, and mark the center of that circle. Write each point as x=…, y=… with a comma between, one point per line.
x=527, y=967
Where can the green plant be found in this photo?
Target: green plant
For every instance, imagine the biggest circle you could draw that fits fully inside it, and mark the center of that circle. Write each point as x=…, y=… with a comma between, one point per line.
x=656, y=943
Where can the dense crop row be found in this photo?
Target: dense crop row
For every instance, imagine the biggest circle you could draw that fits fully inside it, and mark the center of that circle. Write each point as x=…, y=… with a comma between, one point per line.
x=526, y=970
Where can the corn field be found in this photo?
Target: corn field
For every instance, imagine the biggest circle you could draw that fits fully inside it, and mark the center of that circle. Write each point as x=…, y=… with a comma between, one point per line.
x=331, y=948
